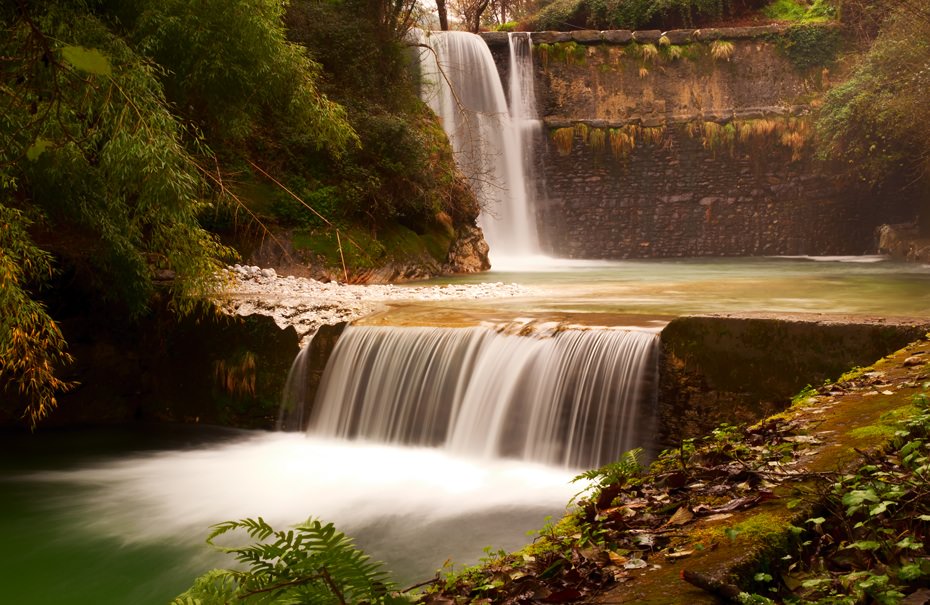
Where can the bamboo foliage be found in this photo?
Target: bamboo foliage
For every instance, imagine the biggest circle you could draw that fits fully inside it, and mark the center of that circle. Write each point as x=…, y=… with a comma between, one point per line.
x=93, y=154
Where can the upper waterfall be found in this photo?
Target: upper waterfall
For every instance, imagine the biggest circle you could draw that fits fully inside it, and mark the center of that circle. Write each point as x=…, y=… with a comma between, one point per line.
x=461, y=84
x=577, y=398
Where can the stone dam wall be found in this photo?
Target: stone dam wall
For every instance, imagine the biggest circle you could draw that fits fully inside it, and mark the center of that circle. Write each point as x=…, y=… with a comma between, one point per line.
x=687, y=143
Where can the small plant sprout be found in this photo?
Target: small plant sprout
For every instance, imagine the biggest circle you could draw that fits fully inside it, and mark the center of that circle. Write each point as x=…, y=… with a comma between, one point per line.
x=721, y=50
x=649, y=52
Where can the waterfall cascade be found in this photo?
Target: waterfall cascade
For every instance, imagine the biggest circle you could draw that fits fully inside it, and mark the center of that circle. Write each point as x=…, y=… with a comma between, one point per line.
x=462, y=86
x=574, y=398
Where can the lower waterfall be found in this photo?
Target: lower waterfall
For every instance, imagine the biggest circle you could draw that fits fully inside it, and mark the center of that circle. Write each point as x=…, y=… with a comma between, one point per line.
x=576, y=398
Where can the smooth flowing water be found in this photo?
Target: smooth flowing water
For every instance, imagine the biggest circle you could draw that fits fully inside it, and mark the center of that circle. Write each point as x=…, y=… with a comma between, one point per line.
x=623, y=291
x=575, y=398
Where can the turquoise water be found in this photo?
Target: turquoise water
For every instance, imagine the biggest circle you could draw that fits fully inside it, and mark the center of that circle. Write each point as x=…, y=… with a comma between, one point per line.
x=843, y=285
x=119, y=516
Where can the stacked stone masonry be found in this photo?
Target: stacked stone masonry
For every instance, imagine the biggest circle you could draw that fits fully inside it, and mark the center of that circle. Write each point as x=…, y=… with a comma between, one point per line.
x=748, y=184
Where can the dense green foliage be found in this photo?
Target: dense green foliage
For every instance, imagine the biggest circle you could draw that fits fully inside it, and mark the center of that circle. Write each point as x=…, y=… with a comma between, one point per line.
x=801, y=10
x=127, y=127
x=629, y=14
x=100, y=170
x=878, y=121
x=313, y=563
x=402, y=171
x=231, y=70
x=810, y=45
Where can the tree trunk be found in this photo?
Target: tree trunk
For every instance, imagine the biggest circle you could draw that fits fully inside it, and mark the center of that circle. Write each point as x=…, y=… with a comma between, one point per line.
x=443, y=15
x=480, y=7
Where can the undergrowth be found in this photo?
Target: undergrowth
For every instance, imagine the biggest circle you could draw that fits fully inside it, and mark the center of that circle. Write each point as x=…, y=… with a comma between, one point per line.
x=868, y=540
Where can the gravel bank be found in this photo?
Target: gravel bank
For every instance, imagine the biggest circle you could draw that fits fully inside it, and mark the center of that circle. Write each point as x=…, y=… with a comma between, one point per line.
x=307, y=304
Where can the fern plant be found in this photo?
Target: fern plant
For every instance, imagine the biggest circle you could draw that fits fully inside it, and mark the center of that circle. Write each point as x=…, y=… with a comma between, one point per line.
x=311, y=563
x=611, y=476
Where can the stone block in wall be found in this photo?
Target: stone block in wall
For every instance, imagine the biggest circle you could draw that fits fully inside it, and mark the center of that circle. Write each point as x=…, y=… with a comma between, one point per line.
x=496, y=38
x=679, y=36
x=587, y=36
x=550, y=37
x=724, y=115
x=617, y=36
x=647, y=36
x=710, y=33
x=751, y=113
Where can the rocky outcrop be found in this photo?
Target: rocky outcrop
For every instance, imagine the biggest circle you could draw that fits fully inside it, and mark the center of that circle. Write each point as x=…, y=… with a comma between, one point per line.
x=468, y=253
x=307, y=304
x=904, y=242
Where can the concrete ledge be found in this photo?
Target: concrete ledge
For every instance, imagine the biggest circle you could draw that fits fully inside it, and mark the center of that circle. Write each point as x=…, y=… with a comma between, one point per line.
x=721, y=116
x=495, y=38
x=740, y=368
x=651, y=36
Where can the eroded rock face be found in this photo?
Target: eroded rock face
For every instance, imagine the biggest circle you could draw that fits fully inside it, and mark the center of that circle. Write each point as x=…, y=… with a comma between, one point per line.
x=469, y=252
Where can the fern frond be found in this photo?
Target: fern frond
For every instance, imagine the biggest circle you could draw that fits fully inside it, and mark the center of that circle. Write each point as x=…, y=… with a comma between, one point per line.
x=311, y=563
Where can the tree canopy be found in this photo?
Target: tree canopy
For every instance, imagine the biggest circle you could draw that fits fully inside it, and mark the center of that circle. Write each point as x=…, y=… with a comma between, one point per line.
x=108, y=113
x=878, y=120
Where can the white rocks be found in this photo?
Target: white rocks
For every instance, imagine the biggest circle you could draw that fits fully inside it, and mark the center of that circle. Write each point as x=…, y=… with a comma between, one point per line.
x=307, y=304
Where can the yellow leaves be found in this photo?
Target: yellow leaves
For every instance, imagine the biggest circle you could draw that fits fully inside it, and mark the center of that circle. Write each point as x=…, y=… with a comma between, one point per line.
x=793, y=133
x=721, y=50
x=237, y=378
x=31, y=344
x=596, y=139
x=649, y=52
x=88, y=60
x=622, y=142
x=563, y=139
x=682, y=516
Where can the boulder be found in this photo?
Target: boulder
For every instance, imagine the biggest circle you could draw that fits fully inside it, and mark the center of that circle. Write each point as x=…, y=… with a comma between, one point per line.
x=469, y=252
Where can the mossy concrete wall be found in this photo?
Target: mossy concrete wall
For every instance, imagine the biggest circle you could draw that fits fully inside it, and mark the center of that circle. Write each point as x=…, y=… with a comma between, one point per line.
x=718, y=369
x=687, y=143
x=212, y=369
